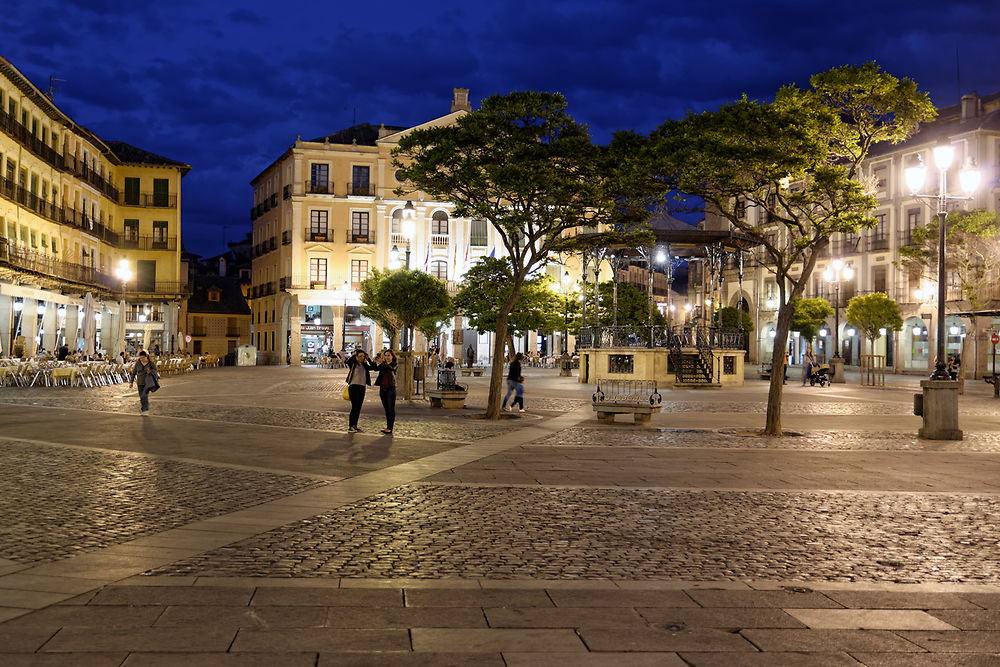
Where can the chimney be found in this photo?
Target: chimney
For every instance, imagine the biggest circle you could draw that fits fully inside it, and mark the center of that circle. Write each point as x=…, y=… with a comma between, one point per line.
x=970, y=106
x=461, y=100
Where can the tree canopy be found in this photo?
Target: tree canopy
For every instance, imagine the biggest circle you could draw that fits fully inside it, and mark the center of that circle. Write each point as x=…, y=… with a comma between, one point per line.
x=787, y=172
x=810, y=316
x=405, y=297
x=873, y=312
x=633, y=306
x=523, y=163
x=734, y=318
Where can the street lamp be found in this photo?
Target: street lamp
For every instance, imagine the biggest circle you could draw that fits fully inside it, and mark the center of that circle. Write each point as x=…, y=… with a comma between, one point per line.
x=343, y=325
x=835, y=274
x=567, y=282
x=969, y=176
x=408, y=227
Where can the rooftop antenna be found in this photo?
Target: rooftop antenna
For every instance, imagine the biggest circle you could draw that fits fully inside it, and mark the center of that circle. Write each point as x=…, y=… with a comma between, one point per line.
x=355, y=119
x=52, y=87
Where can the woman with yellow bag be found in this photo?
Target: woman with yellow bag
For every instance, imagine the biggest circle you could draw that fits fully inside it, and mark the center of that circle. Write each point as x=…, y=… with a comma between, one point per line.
x=359, y=368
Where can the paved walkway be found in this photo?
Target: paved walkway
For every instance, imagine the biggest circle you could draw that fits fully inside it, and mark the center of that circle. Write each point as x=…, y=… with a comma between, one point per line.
x=241, y=524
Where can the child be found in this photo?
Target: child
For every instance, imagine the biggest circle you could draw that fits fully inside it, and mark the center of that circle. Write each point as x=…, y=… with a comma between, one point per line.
x=519, y=394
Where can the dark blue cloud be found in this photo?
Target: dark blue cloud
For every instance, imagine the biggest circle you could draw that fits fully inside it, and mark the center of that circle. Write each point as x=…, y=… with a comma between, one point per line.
x=227, y=86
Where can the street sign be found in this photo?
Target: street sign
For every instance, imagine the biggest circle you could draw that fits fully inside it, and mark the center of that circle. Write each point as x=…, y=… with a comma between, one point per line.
x=995, y=338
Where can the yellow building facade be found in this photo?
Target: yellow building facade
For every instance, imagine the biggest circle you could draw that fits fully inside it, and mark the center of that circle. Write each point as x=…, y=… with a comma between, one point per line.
x=324, y=216
x=72, y=208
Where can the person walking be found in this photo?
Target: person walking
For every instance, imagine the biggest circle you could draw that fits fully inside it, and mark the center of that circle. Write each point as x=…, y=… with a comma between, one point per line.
x=807, y=365
x=519, y=395
x=386, y=383
x=144, y=374
x=513, y=373
x=359, y=368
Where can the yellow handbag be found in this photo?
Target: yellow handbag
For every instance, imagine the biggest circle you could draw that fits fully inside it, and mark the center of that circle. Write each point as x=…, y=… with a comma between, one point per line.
x=347, y=394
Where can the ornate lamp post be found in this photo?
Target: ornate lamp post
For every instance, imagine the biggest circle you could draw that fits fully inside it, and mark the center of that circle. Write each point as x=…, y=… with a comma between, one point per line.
x=567, y=282
x=343, y=320
x=124, y=274
x=940, y=403
x=835, y=274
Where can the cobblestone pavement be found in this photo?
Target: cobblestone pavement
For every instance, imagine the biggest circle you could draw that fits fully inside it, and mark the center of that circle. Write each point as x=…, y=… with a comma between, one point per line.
x=58, y=502
x=606, y=436
x=429, y=531
x=445, y=428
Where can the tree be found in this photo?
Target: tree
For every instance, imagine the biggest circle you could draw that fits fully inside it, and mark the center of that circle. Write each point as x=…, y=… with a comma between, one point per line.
x=633, y=306
x=796, y=162
x=405, y=296
x=972, y=262
x=489, y=282
x=809, y=316
x=521, y=162
x=371, y=309
x=873, y=312
x=734, y=318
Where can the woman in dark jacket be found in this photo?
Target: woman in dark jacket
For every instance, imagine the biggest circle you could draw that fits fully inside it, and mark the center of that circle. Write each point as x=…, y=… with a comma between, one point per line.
x=144, y=374
x=386, y=382
x=359, y=368
x=513, y=373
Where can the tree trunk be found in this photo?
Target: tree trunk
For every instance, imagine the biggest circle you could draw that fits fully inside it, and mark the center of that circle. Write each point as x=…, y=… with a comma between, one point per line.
x=499, y=342
x=779, y=356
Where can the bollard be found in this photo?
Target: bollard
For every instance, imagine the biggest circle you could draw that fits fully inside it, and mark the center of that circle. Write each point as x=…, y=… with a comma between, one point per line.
x=918, y=405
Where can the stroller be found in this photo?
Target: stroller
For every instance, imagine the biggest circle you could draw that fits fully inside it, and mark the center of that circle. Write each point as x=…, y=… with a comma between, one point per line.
x=820, y=376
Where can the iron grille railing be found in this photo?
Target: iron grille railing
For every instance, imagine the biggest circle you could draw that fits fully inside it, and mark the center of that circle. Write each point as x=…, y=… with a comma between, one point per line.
x=148, y=199
x=34, y=262
x=627, y=391
x=722, y=338
x=361, y=189
x=149, y=243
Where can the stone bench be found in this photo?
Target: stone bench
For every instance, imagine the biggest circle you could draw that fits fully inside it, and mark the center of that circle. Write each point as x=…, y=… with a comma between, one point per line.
x=641, y=412
x=449, y=399
x=478, y=372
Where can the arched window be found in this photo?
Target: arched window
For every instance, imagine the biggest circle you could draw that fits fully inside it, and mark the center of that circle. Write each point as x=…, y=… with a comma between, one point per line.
x=397, y=219
x=439, y=223
x=439, y=269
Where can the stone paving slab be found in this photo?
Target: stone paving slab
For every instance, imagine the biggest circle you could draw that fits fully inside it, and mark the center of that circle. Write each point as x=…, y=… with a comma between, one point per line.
x=250, y=640
x=972, y=641
x=831, y=640
x=869, y=619
x=329, y=659
x=447, y=640
x=291, y=659
x=969, y=620
x=928, y=659
x=780, y=659
x=667, y=618
x=890, y=600
x=619, y=639
x=173, y=640
x=68, y=660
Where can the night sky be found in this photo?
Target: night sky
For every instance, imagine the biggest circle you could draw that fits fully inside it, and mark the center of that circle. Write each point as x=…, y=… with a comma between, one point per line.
x=227, y=86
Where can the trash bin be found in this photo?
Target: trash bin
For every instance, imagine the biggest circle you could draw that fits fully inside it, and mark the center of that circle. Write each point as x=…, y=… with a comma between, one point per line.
x=918, y=405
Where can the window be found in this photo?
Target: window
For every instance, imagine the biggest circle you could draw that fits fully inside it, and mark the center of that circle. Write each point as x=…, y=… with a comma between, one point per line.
x=913, y=218
x=131, y=191
x=397, y=218
x=161, y=192
x=55, y=244
x=320, y=177
x=12, y=107
x=879, y=176
x=359, y=226
x=159, y=234
x=131, y=230
x=740, y=208
x=439, y=269
x=213, y=295
x=359, y=271
x=439, y=223
x=879, y=273
x=360, y=180
x=877, y=239
x=317, y=271
x=478, y=233
x=33, y=188
x=318, y=225
x=11, y=168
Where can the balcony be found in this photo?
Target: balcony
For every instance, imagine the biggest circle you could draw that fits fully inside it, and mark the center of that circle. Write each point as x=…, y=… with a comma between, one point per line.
x=286, y=237
x=399, y=240
x=148, y=200
x=47, y=266
x=23, y=136
x=286, y=192
x=318, y=237
x=149, y=243
x=439, y=240
x=904, y=238
x=233, y=333
x=876, y=243
x=357, y=237
x=273, y=201
x=157, y=288
x=85, y=172
x=199, y=331
x=361, y=189
x=283, y=283
x=318, y=188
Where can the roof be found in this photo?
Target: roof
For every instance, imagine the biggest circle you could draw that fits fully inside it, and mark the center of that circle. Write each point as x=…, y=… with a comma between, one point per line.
x=231, y=300
x=129, y=154
x=364, y=134
x=661, y=220
x=948, y=123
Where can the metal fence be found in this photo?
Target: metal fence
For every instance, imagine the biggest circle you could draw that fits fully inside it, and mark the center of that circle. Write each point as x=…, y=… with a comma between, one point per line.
x=722, y=338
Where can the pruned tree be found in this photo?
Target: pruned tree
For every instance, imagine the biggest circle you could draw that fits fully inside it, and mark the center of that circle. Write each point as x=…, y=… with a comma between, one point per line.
x=405, y=297
x=372, y=309
x=809, y=316
x=871, y=313
x=797, y=161
x=731, y=317
x=521, y=162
